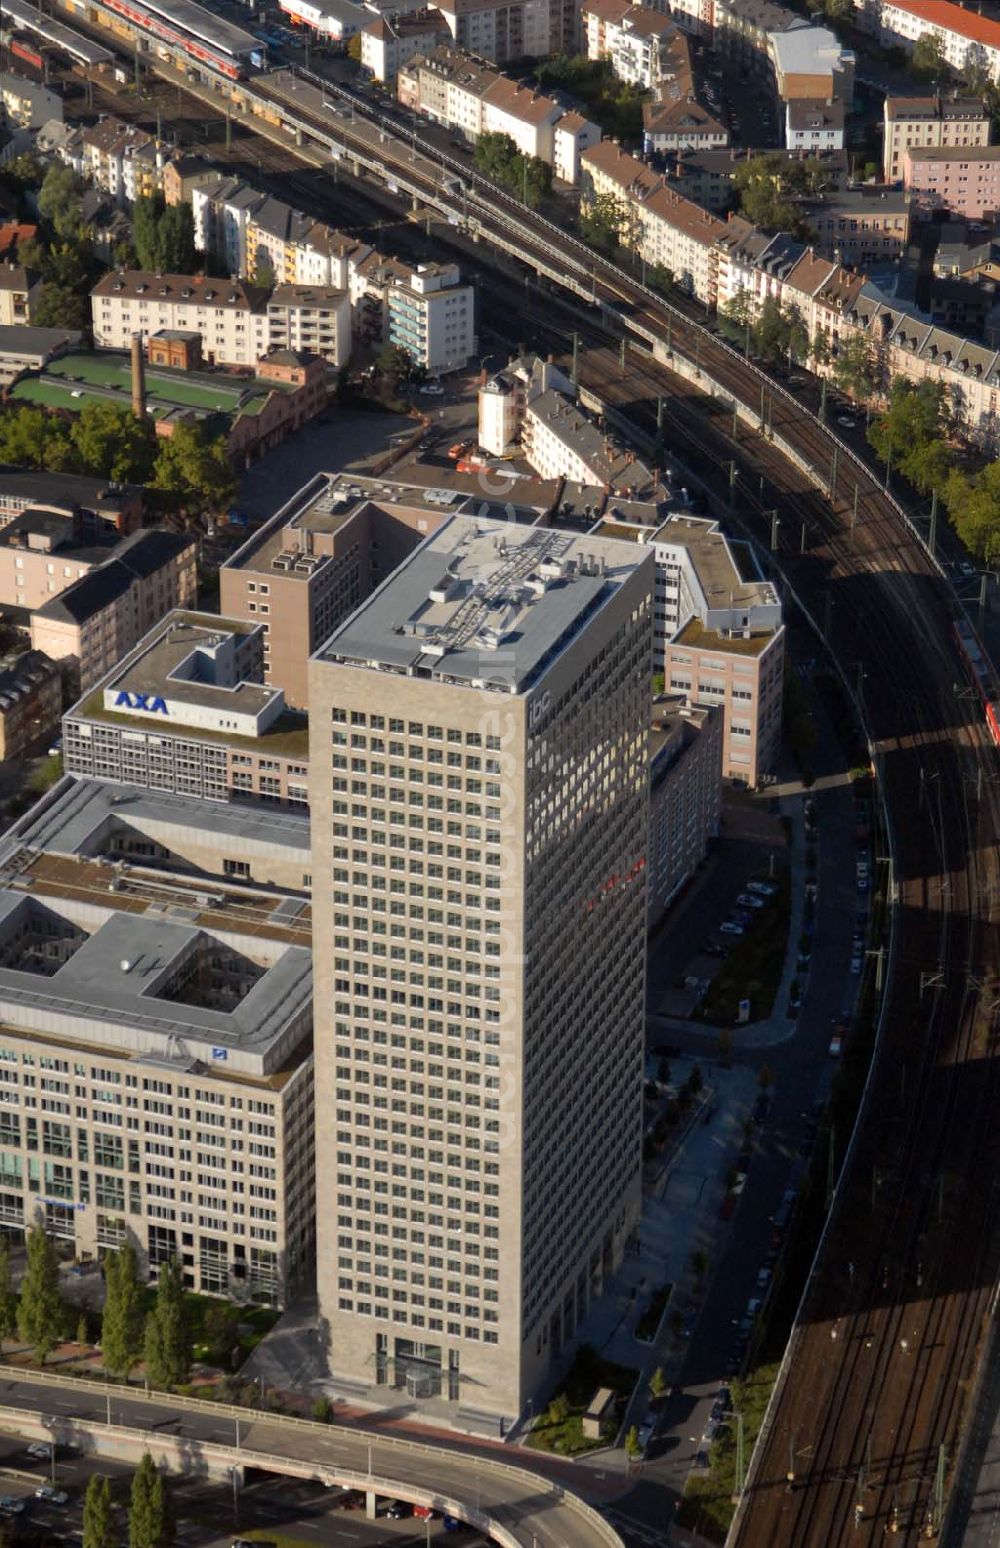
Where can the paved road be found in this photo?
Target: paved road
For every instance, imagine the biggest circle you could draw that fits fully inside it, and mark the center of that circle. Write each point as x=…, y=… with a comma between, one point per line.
x=802, y=1072
x=538, y=1512
x=207, y=1514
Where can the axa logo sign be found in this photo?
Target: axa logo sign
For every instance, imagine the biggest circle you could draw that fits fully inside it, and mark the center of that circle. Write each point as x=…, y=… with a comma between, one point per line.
x=153, y=704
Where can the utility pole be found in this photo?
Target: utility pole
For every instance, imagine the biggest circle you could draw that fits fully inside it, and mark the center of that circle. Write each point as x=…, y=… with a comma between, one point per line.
x=833, y=472
x=932, y=533
x=854, y=516
x=229, y=130
x=736, y=420
x=791, y=1457
x=576, y=360
x=802, y=538
x=621, y=355
x=670, y=335
x=984, y=581
x=822, y=400
x=659, y=416
x=138, y=71
x=888, y=467
x=733, y=474
x=775, y=526
x=697, y=354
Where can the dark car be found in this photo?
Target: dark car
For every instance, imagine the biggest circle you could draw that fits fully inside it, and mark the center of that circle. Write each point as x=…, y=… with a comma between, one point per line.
x=399, y=1510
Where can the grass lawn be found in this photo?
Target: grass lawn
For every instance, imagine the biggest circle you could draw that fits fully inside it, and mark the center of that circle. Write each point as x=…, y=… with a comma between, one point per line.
x=560, y=1427
x=707, y=1506
x=754, y=966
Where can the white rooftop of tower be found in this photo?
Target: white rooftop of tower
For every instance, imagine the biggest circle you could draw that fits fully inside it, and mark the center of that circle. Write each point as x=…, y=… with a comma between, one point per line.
x=484, y=604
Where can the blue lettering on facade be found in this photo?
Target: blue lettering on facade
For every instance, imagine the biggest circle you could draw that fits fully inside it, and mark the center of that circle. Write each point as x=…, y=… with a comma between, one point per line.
x=152, y=703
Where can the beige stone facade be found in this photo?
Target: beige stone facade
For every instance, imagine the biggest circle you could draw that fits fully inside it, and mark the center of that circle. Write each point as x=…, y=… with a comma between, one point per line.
x=163, y=1095
x=479, y=840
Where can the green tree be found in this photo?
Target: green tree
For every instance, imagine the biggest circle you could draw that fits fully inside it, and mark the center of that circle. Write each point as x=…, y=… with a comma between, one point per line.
x=39, y=1307
x=735, y=318
x=60, y=202
x=973, y=503
x=394, y=363
x=659, y=277
x=98, y=1521
x=603, y=222
x=121, y=1329
x=59, y=307
x=168, y=1340
x=194, y=465
x=927, y=58
x=354, y=48
x=766, y=186
x=633, y=1448
x=910, y=434
x=8, y=1300
x=112, y=443
x=149, y=1523
x=658, y=1385
x=222, y=1334
x=855, y=368
x=819, y=348
x=163, y=235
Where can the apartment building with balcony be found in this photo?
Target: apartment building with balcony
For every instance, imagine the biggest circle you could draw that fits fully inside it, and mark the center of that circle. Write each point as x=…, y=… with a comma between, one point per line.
x=432, y=315
x=634, y=38
x=393, y=40
x=230, y=316
x=20, y=289
x=476, y=1202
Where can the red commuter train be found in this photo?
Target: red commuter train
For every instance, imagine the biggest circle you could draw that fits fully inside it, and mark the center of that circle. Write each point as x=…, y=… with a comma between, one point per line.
x=980, y=674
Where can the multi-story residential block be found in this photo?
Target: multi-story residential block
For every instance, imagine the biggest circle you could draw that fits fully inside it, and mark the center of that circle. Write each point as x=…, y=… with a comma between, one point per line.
x=230, y=315
x=685, y=795
x=393, y=40
x=252, y=233
x=862, y=225
x=123, y=160
x=660, y=224
x=95, y=506
x=811, y=64
x=183, y=174
x=966, y=37
x=31, y=695
x=634, y=38
x=680, y=124
x=186, y=711
x=964, y=181
x=156, y=1064
x=926, y=123
x=221, y=211
x=42, y=552
x=502, y=30
x=432, y=315
x=814, y=126
x=503, y=399
x=465, y=94
x=313, y=318
x=503, y=670
x=93, y=622
x=20, y=289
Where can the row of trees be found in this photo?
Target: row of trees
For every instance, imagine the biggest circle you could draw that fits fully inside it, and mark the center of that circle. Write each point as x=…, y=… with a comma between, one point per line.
x=912, y=436
x=499, y=159
x=39, y=1316
x=769, y=186
x=150, y=1517
x=163, y=236
x=106, y=440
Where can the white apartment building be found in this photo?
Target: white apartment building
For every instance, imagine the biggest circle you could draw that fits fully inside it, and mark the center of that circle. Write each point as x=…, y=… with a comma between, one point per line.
x=238, y=323
x=814, y=126
x=394, y=39
x=469, y=97
x=479, y=916
x=633, y=37
x=221, y=212
x=500, y=30
x=313, y=318
x=930, y=123
x=432, y=315
x=122, y=159
x=157, y=1071
x=967, y=38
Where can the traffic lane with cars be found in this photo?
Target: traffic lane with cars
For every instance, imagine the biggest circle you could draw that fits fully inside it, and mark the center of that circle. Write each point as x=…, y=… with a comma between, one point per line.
x=708, y=902
x=207, y=1514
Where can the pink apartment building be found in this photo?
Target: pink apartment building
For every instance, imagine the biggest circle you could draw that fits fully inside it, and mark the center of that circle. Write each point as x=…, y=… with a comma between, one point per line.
x=963, y=179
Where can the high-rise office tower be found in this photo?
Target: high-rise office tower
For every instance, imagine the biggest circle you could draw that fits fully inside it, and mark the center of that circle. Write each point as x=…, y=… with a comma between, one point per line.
x=479, y=786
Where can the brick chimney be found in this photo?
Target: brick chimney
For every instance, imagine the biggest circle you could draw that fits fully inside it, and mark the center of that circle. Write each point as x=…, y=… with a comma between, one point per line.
x=138, y=378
